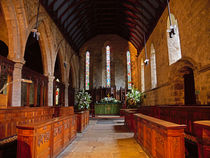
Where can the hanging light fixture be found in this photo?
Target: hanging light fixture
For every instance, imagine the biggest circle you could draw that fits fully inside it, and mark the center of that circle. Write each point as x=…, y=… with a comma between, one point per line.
x=36, y=34
x=146, y=61
x=171, y=29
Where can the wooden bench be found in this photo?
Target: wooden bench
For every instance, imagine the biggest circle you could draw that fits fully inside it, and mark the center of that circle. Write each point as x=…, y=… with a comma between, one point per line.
x=13, y=116
x=129, y=118
x=47, y=138
x=82, y=120
x=202, y=131
x=160, y=138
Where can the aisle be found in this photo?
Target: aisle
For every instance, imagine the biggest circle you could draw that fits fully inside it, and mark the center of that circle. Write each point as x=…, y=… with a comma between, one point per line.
x=104, y=138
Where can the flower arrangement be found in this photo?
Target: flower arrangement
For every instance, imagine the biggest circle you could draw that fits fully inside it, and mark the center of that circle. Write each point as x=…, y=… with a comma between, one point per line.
x=83, y=99
x=109, y=100
x=134, y=97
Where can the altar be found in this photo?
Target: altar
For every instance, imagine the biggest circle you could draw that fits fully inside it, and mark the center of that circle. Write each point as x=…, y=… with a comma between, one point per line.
x=107, y=109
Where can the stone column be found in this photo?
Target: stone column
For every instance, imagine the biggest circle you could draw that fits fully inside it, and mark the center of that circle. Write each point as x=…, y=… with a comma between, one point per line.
x=50, y=90
x=16, y=85
x=66, y=97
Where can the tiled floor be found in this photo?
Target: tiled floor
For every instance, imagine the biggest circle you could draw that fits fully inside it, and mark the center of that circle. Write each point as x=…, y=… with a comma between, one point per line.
x=104, y=139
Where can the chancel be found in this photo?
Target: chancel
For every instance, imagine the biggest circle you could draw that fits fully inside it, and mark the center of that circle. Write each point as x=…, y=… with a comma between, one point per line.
x=104, y=78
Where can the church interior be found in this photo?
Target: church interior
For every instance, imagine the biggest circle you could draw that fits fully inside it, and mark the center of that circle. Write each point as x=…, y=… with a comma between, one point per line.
x=104, y=78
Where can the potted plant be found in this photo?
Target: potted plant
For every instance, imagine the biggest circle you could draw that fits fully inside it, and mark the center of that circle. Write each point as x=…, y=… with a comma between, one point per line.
x=83, y=99
x=134, y=98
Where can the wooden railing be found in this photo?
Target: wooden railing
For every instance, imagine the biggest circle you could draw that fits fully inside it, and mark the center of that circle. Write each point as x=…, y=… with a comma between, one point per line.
x=11, y=117
x=82, y=120
x=47, y=138
x=160, y=139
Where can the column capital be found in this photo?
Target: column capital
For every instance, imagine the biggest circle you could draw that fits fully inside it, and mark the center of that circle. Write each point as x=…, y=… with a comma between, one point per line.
x=19, y=64
x=51, y=78
x=66, y=85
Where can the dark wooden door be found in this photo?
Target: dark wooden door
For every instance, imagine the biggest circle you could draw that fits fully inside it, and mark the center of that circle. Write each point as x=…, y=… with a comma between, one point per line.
x=189, y=88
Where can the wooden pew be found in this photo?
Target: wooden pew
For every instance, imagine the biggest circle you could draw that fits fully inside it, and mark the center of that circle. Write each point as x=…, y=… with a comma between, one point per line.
x=129, y=118
x=176, y=114
x=82, y=120
x=202, y=132
x=47, y=138
x=160, y=138
x=13, y=116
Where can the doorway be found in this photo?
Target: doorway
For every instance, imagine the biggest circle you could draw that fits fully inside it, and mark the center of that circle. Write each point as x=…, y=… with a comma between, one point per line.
x=189, y=88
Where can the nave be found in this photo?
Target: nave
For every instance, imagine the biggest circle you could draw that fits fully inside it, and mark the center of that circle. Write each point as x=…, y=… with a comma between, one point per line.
x=104, y=138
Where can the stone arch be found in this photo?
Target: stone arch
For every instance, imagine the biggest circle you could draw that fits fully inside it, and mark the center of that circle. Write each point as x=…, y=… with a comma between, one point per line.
x=75, y=72
x=177, y=68
x=59, y=55
x=3, y=49
x=174, y=46
x=47, y=48
x=72, y=73
x=9, y=11
x=3, y=28
x=177, y=79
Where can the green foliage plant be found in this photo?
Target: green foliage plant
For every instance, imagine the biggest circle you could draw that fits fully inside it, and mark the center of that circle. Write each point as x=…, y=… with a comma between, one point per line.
x=83, y=99
x=134, y=98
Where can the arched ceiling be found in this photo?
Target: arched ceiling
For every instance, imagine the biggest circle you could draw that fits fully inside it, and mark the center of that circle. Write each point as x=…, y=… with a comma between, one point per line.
x=81, y=20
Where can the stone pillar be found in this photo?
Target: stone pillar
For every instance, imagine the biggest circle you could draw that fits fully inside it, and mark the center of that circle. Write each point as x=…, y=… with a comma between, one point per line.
x=50, y=90
x=66, y=97
x=16, y=85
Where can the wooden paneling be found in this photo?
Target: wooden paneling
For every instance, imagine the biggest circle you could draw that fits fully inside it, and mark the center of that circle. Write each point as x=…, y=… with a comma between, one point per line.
x=82, y=120
x=160, y=138
x=202, y=131
x=46, y=138
x=176, y=114
x=11, y=117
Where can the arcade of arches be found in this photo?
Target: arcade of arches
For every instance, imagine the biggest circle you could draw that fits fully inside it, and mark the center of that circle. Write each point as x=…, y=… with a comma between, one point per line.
x=177, y=74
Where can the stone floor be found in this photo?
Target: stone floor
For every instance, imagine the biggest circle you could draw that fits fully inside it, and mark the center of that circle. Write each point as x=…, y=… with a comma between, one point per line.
x=104, y=139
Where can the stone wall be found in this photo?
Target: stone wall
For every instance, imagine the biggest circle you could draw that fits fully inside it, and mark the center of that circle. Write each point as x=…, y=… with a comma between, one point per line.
x=17, y=19
x=194, y=37
x=3, y=27
x=97, y=48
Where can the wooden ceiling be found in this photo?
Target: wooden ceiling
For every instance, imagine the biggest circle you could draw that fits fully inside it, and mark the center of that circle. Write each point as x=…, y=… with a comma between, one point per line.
x=81, y=20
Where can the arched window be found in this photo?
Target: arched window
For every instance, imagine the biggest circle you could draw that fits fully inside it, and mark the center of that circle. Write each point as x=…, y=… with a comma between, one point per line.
x=142, y=76
x=108, y=78
x=129, y=69
x=87, y=71
x=153, y=67
x=174, y=48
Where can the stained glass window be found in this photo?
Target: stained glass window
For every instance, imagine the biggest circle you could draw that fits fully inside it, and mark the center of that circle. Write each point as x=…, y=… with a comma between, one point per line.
x=108, y=78
x=57, y=96
x=87, y=71
x=129, y=69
